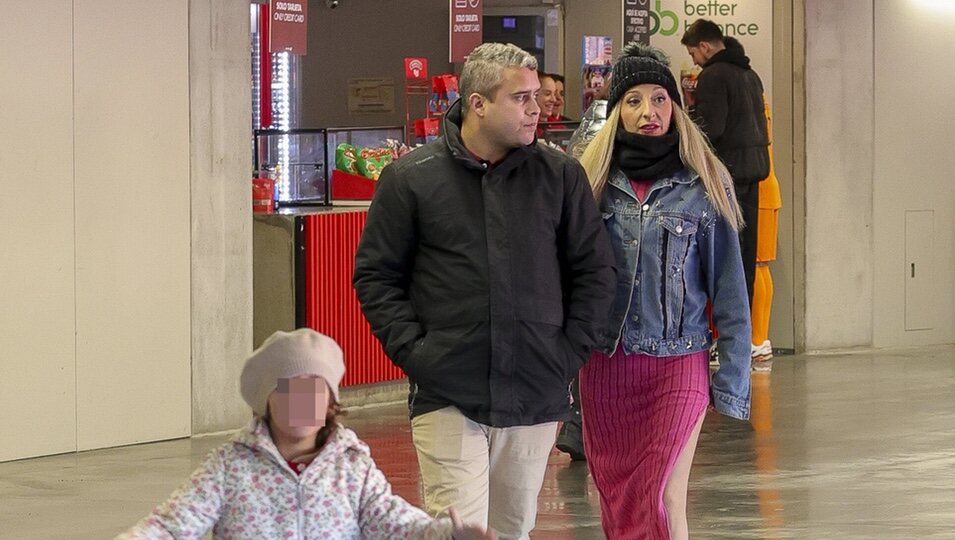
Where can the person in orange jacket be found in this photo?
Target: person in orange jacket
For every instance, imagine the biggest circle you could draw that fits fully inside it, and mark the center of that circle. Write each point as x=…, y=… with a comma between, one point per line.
x=770, y=201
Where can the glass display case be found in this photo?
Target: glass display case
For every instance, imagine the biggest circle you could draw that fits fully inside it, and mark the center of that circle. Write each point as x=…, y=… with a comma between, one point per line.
x=364, y=137
x=296, y=160
x=301, y=160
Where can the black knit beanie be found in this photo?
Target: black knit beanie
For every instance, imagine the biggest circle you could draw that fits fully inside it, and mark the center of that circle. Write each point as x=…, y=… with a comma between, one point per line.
x=641, y=64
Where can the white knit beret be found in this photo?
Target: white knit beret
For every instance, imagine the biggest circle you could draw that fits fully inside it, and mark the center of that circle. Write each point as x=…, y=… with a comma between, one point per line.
x=286, y=355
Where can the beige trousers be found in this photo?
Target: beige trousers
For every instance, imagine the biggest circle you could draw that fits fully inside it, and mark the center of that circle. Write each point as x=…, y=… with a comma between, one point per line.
x=491, y=476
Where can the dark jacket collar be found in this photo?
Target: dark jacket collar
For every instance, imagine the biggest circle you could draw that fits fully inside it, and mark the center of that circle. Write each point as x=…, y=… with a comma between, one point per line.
x=451, y=129
x=730, y=55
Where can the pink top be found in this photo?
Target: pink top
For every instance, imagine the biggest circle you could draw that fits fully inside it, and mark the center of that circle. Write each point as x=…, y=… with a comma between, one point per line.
x=640, y=187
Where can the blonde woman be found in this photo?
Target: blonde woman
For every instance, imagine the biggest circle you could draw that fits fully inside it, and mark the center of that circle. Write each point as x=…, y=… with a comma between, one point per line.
x=669, y=206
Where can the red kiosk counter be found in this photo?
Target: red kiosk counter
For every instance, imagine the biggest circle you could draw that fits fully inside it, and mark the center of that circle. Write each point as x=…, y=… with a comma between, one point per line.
x=303, y=260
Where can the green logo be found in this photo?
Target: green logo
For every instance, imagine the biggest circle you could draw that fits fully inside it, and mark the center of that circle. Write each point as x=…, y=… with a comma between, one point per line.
x=665, y=22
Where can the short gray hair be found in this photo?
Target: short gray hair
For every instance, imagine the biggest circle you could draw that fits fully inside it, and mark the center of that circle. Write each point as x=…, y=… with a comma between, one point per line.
x=483, y=72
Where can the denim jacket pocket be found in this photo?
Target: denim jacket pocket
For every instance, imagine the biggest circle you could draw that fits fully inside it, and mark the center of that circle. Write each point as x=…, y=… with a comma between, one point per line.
x=677, y=234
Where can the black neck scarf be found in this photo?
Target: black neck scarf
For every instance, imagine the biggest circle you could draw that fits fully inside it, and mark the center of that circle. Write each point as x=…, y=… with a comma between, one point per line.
x=647, y=157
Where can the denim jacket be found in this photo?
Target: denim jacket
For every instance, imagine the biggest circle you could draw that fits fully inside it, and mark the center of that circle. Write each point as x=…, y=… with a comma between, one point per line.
x=673, y=253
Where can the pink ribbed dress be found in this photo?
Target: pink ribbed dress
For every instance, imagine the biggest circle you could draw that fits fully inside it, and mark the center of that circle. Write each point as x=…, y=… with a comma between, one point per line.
x=638, y=413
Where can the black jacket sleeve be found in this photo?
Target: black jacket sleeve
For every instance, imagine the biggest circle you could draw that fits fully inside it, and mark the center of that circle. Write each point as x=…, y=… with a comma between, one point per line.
x=590, y=277
x=712, y=105
x=383, y=266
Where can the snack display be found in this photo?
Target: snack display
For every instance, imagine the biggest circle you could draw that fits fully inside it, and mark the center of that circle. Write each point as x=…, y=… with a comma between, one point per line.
x=317, y=166
x=346, y=158
x=397, y=147
x=368, y=162
x=359, y=184
x=372, y=160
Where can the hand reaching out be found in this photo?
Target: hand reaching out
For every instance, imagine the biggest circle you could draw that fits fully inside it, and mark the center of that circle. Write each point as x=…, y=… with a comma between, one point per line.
x=468, y=532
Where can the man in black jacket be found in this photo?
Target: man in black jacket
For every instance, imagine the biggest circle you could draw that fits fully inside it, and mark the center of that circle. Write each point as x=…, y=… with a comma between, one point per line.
x=485, y=270
x=729, y=108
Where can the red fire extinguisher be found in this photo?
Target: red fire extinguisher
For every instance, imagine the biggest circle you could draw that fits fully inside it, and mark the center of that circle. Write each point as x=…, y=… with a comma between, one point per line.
x=262, y=195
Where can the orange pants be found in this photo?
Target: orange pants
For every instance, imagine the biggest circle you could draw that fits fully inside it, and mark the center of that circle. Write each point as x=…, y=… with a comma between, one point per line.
x=763, y=285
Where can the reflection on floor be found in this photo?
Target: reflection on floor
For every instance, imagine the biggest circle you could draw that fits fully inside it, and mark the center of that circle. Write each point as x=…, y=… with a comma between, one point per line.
x=840, y=446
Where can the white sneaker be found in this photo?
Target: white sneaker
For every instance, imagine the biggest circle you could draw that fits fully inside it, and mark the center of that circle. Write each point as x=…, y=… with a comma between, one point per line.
x=762, y=355
x=762, y=352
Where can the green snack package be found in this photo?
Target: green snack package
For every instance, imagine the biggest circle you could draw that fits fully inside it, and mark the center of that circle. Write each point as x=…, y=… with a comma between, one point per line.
x=372, y=160
x=346, y=158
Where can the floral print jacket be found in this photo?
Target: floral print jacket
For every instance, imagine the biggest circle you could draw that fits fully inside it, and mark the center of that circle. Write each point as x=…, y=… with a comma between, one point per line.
x=245, y=489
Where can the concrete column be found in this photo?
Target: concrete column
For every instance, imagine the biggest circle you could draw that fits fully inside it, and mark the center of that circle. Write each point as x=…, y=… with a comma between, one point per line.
x=839, y=173
x=221, y=169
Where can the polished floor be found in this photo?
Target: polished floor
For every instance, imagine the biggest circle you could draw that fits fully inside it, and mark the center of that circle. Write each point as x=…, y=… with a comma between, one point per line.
x=858, y=445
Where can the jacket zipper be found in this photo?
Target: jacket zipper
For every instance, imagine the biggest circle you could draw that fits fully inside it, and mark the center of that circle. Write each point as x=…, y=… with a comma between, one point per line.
x=414, y=394
x=301, y=510
x=280, y=461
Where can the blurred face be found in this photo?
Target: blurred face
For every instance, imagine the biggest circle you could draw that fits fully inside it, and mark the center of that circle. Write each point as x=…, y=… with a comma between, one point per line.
x=559, y=104
x=509, y=117
x=298, y=406
x=646, y=109
x=547, y=97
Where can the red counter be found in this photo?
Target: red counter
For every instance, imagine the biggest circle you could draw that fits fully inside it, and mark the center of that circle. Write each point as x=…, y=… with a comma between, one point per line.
x=331, y=306
x=303, y=265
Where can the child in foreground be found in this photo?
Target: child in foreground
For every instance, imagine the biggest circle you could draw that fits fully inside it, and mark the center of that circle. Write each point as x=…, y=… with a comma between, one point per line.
x=294, y=471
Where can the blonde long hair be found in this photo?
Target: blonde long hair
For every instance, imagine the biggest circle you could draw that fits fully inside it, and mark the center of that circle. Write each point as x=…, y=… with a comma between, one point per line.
x=695, y=152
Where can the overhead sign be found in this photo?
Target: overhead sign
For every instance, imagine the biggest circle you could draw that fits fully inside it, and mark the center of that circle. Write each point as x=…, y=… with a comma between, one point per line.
x=636, y=21
x=467, y=27
x=749, y=22
x=288, y=26
x=416, y=69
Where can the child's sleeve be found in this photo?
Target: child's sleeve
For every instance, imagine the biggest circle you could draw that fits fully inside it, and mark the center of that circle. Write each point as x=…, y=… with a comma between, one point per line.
x=191, y=510
x=384, y=515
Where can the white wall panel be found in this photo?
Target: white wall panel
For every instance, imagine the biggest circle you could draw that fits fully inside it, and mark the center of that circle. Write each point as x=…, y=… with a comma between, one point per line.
x=132, y=221
x=37, y=360
x=914, y=134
